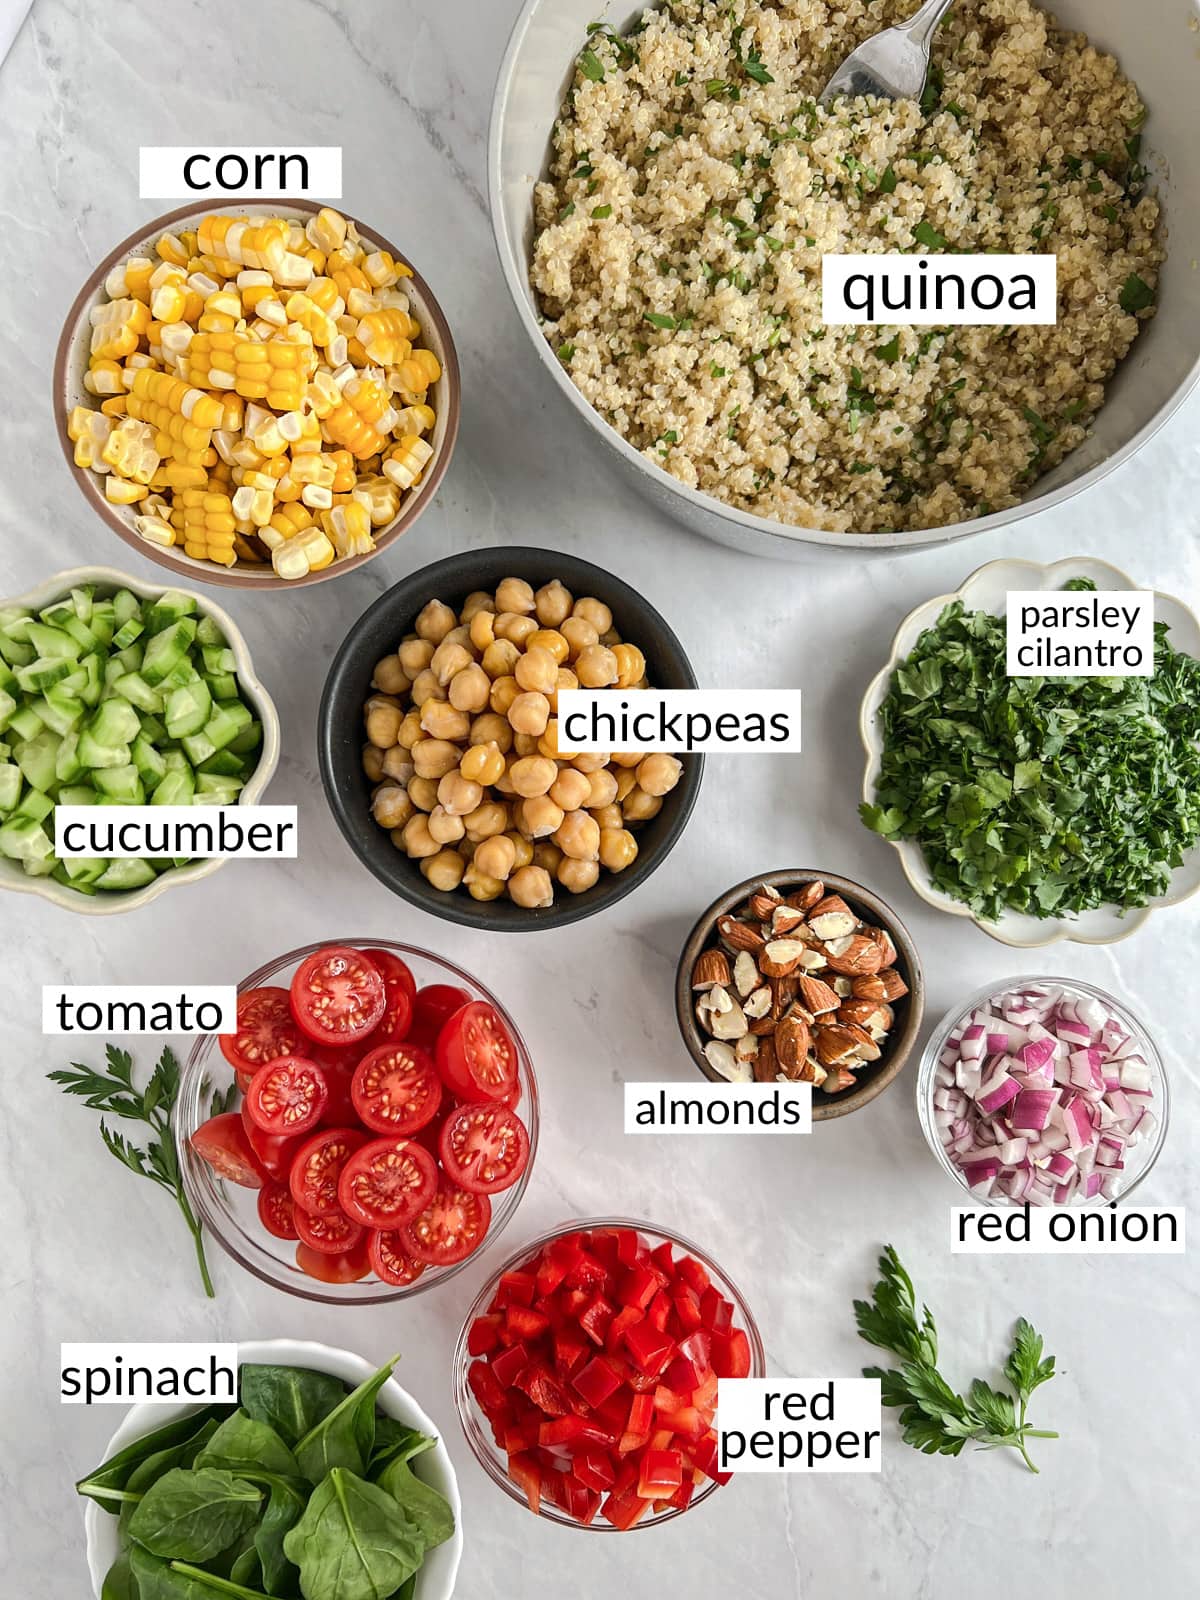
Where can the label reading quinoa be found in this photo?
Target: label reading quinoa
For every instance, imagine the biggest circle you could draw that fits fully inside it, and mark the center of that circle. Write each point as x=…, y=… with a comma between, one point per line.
x=799, y=1424
x=1096, y=633
x=976, y=291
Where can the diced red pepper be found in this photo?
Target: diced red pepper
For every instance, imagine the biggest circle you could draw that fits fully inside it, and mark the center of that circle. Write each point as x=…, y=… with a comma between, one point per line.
x=625, y=1319
x=731, y=1354
x=687, y=1308
x=686, y=1422
x=573, y=1301
x=626, y=1478
x=596, y=1381
x=587, y=1273
x=682, y=1497
x=571, y=1350
x=703, y=1454
x=527, y=1475
x=716, y=1311
x=663, y=1258
x=605, y=1244
x=526, y=1323
x=630, y=1248
x=650, y=1351
x=659, y=1310
x=557, y=1260
x=593, y=1468
x=484, y=1335
x=486, y=1389
x=510, y=1364
x=545, y=1390
x=519, y=1436
x=690, y=1272
x=623, y=1510
x=582, y=1502
x=660, y=1473
x=561, y=1431
x=614, y=1413
x=638, y=1287
x=596, y=1318
x=516, y=1289
x=704, y=1395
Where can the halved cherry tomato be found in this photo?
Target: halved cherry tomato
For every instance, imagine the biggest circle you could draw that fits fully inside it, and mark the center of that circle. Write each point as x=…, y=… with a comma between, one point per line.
x=265, y=1029
x=476, y=1055
x=401, y=989
x=273, y=1154
x=452, y=1225
x=389, y=1261
x=222, y=1142
x=277, y=1211
x=396, y=1088
x=346, y=1267
x=313, y=1179
x=484, y=1147
x=433, y=1004
x=331, y=1234
x=287, y=1096
x=386, y=1182
x=337, y=995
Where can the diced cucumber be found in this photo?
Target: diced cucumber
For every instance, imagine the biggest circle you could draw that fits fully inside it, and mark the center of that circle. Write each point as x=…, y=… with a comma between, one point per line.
x=127, y=633
x=129, y=659
x=59, y=711
x=24, y=839
x=168, y=608
x=198, y=747
x=134, y=873
x=7, y=706
x=77, y=794
x=36, y=759
x=67, y=765
x=52, y=642
x=229, y=718
x=208, y=631
x=153, y=727
x=222, y=685
x=176, y=789
x=58, y=613
x=218, y=658
x=10, y=785
x=25, y=723
x=174, y=760
x=17, y=652
x=180, y=676
x=225, y=763
x=93, y=687
x=14, y=620
x=133, y=687
x=214, y=789
x=99, y=756
x=167, y=649
x=120, y=784
x=43, y=672
x=150, y=764
x=81, y=633
x=83, y=602
x=103, y=622
x=114, y=722
x=125, y=605
x=35, y=804
x=188, y=709
x=83, y=870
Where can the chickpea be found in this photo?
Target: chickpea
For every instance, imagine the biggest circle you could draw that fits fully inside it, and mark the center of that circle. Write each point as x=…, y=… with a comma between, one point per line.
x=640, y=806
x=566, y=680
x=372, y=758
x=398, y=764
x=570, y=789
x=576, y=876
x=415, y=655
x=496, y=856
x=608, y=817
x=480, y=886
x=532, y=775
x=418, y=840
x=440, y=720
x=547, y=855
x=602, y=790
x=491, y=728
x=626, y=758
x=515, y=628
x=459, y=635
x=500, y=658
x=514, y=594
x=444, y=827
x=531, y=887
x=523, y=848
x=444, y=870
x=612, y=638
x=390, y=806
x=410, y=730
x=579, y=634
x=434, y=758
x=626, y=783
x=548, y=743
x=579, y=836
x=390, y=676
x=397, y=838
x=423, y=793
x=593, y=611
x=483, y=632
x=466, y=848
x=477, y=601
x=504, y=784
x=631, y=665
x=526, y=744
x=530, y=711
x=469, y=689
x=539, y=817
x=435, y=622
x=549, y=639
x=590, y=761
x=483, y=763
x=618, y=848
x=504, y=691
x=427, y=687
x=596, y=667
x=384, y=717
x=658, y=774
x=536, y=670
x=553, y=604
x=489, y=819
x=459, y=795
x=448, y=659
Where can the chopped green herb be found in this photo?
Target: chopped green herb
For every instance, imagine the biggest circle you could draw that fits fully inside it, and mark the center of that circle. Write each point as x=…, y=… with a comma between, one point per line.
x=566, y=352
x=600, y=212
x=680, y=79
x=925, y=233
x=1136, y=294
x=1110, y=213
x=932, y=94
x=590, y=66
x=660, y=319
x=753, y=68
x=715, y=371
x=567, y=211
x=887, y=184
x=889, y=351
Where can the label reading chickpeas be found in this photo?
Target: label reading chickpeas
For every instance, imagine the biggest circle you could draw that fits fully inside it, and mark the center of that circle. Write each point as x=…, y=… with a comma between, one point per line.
x=681, y=720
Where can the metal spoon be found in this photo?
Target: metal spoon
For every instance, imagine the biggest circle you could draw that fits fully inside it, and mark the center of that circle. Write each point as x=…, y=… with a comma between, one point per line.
x=894, y=64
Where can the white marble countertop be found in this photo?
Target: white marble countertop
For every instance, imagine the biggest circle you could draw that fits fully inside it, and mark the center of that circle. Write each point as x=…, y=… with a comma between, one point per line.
x=90, y=1253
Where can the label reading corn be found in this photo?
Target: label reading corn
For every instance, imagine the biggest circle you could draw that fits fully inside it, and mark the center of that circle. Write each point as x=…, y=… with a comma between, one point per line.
x=182, y=172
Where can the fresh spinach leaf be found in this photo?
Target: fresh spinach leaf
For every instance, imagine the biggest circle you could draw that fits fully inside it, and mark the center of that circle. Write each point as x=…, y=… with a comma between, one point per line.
x=119, y=1583
x=284, y=1510
x=244, y=1443
x=421, y=1502
x=155, y=1466
x=395, y=1442
x=354, y=1541
x=292, y=1400
x=108, y=1483
x=247, y=1570
x=158, y=1579
x=194, y=1515
x=346, y=1437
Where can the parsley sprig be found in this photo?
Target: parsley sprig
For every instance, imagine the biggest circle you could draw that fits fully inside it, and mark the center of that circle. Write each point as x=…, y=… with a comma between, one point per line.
x=934, y=1418
x=115, y=1094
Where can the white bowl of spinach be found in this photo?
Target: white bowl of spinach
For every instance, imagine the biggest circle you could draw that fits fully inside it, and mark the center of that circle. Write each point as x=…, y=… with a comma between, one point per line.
x=1043, y=809
x=328, y=1481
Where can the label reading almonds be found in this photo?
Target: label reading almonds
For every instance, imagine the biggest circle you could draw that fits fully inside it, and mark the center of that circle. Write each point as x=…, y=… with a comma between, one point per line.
x=718, y=1108
x=799, y=1425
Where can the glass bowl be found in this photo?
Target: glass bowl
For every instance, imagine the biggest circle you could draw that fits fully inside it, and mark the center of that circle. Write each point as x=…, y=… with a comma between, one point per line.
x=1142, y=1155
x=488, y=1454
x=229, y=1212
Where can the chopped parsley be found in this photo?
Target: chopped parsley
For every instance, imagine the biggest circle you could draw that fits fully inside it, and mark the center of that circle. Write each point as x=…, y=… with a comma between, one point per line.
x=1136, y=294
x=566, y=352
x=925, y=233
x=889, y=351
x=590, y=65
x=887, y=184
x=660, y=319
x=600, y=212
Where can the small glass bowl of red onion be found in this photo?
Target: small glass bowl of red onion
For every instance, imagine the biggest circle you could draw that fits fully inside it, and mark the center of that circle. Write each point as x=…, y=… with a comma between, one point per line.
x=1045, y=1091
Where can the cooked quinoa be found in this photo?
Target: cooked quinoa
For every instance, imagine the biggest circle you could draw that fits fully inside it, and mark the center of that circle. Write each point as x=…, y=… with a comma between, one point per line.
x=695, y=185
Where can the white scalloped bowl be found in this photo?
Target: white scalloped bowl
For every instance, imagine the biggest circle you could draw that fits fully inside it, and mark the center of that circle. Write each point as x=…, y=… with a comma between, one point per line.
x=13, y=876
x=438, y=1572
x=986, y=590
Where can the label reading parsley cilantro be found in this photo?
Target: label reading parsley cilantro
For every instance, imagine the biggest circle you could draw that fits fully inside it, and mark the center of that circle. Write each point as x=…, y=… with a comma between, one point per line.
x=1107, y=633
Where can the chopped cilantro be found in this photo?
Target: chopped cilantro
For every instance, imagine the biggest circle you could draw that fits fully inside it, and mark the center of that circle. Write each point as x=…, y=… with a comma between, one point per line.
x=660, y=319
x=1136, y=294
x=600, y=212
x=889, y=351
x=925, y=233
x=566, y=352
x=887, y=184
x=590, y=65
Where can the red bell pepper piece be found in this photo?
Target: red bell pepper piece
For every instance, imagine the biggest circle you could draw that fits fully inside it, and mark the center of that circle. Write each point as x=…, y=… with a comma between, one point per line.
x=518, y=1437
x=716, y=1311
x=687, y=1308
x=731, y=1354
x=630, y=1248
x=571, y=1350
x=545, y=1390
x=486, y=1389
x=659, y=1310
x=508, y=1366
x=650, y=1351
x=526, y=1323
x=527, y=1475
x=689, y=1271
x=596, y=1318
x=660, y=1472
x=594, y=1469
x=682, y=1497
x=588, y=1272
x=625, y=1319
x=484, y=1335
x=638, y=1287
x=516, y=1289
x=663, y=1258
x=704, y=1395
x=596, y=1381
x=623, y=1510
x=561, y=1431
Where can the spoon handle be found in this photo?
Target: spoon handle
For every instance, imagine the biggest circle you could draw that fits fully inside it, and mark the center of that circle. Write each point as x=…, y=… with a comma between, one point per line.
x=921, y=26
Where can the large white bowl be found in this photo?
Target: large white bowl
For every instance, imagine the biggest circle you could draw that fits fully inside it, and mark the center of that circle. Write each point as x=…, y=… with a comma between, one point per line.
x=987, y=590
x=1155, y=44
x=13, y=876
x=436, y=1580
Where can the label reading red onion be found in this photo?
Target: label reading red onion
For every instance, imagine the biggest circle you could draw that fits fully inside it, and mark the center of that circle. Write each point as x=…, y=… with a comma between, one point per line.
x=1068, y=1230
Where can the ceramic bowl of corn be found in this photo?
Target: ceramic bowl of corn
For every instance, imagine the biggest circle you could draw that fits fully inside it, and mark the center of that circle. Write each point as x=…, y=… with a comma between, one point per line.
x=257, y=400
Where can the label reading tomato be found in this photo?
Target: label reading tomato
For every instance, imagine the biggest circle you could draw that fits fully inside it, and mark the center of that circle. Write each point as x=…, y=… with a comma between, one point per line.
x=476, y=1055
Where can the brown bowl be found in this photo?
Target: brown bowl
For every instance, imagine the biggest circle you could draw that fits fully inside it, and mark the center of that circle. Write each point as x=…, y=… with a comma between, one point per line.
x=70, y=363
x=873, y=1077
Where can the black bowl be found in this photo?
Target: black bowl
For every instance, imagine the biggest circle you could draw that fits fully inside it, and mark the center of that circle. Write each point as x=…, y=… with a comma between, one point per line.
x=379, y=630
